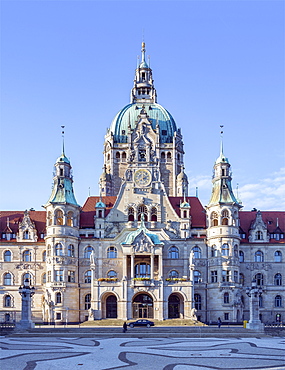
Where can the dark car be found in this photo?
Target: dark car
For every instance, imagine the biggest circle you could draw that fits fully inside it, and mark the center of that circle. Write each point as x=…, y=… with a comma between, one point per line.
x=146, y=323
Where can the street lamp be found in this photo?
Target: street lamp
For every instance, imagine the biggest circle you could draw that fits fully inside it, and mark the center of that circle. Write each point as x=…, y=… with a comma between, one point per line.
x=26, y=293
x=254, y=292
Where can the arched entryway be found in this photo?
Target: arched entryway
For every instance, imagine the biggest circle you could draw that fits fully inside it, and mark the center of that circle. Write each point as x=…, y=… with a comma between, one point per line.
x=142, y=306
x=175, y=306
x=111, y=307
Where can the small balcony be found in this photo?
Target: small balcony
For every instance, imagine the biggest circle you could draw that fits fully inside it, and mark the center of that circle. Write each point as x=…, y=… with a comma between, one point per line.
x=137, y=282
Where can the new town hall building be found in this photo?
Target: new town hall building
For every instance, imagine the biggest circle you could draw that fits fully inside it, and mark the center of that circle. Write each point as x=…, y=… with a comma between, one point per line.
x=143, y=248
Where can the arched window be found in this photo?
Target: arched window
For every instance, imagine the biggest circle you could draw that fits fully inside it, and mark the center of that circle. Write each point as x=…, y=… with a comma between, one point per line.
x=198, y=301
x=260, y=302
x=70, y=251
x=197, y=252
x=214, y=251
x=277, y=256
x=142, y=210
x=112, y=274
x=153, y=213
x=236, y=250
x=173, y=274
x=87, y=251
x=48, y=250
x=197, y=277
x=7, y=256
x=108, y=157
x=59, y=217
x=112, y=252
x=118, y=155
x=214, y=219
x=162, y=156
x=241, y=256
x=44, y=278
x=225, y=249
x=124, y=156
x=241, y=279
x=131, y=214
x=27, y=256
x=258, y=256
x=87, y=301
x=259, y=235
x=278, y=279
x=226, y=298
x=7, y=301
x=278, y=301
x=259, y=279
x=225, y=217
x=168, y=156
x=27, y=276
x=70, y=218
x=44, y=256
x=58, y=298
x=26, y=234
x=142, y=270
x=87, y=277
x=58, y=249
x=173, y=252
x=7, y=279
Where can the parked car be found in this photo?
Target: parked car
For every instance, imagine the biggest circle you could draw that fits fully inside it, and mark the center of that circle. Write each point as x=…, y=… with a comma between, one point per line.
x=146, y=323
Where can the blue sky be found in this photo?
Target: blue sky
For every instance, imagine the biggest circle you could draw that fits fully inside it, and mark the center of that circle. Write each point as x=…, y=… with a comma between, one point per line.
x=72, y=63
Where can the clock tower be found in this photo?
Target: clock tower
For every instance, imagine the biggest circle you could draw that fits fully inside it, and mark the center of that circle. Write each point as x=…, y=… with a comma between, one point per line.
x=143, y=144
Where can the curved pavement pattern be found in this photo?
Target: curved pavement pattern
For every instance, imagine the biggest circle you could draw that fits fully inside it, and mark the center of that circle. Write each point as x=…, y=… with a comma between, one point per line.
x=142, y=354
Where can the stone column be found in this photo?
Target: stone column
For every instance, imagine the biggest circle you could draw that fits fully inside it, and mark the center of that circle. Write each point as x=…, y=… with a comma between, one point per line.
x=132, y=265
x=151, y=266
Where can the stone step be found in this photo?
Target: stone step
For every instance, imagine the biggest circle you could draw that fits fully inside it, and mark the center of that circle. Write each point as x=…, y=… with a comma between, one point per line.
x=153, y=332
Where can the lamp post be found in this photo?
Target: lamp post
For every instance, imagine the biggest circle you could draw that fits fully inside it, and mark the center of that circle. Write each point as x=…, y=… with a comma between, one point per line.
x=26, y=314
x=254, y=292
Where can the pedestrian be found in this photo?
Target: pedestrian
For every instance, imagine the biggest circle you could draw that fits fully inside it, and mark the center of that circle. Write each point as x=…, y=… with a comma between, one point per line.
x=219, y=322
x=125, y=327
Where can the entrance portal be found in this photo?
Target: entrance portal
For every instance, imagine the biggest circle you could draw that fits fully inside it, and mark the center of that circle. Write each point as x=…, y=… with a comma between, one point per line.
x=143, y=307
x=111, y=307
x=173, y=307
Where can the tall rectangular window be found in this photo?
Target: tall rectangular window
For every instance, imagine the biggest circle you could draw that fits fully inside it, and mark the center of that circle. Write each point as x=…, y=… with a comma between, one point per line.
x=214, y=276
x=58, y=275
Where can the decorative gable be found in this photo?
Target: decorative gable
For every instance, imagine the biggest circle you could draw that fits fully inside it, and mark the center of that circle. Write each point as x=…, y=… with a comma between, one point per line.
x=258, y=232
x=27, y=230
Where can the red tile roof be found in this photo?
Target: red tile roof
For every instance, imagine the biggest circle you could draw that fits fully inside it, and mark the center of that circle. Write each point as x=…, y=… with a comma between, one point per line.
x=15, y=217
x=88, y=210
x=269, y=217
x=197, y=212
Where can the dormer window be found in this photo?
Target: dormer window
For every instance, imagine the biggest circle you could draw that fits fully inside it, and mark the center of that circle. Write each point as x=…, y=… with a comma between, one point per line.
x=26, y=235
x=259, y=235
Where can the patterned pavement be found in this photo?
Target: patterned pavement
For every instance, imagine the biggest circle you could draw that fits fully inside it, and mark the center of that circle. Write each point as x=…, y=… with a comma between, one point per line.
x=142, y=354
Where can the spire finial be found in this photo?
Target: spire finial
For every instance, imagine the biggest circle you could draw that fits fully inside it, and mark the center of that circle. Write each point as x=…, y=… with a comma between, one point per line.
x=143, y=52
x=221, y=132
x=62, y=134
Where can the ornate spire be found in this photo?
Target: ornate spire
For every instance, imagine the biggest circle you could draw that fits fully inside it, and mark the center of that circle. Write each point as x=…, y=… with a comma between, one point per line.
x=143, y=90
x=222, y=187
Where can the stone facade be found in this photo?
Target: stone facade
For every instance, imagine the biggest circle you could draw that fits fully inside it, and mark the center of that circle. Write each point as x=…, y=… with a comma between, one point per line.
x=143, y=248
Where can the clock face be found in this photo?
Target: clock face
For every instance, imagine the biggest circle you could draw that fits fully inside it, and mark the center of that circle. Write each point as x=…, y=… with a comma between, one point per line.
x=142, y=177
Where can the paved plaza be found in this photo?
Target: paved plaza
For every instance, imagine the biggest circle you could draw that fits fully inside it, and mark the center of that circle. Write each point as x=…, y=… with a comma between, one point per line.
x=97, y=353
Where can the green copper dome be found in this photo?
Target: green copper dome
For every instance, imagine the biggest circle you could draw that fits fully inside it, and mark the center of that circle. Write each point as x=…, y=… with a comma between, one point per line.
x=156, y=113
x=63, y=158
